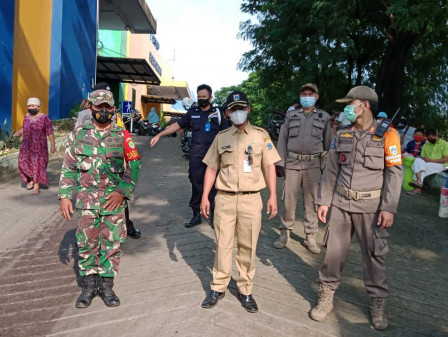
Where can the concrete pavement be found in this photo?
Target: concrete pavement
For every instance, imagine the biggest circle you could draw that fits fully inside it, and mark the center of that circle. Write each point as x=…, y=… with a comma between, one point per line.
x=164, y=275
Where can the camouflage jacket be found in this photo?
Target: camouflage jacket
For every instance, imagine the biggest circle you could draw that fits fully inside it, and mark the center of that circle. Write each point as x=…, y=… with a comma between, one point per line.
x=98, y=160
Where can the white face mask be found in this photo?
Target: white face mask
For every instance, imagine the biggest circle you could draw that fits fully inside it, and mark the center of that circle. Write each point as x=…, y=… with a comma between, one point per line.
x=238, y=117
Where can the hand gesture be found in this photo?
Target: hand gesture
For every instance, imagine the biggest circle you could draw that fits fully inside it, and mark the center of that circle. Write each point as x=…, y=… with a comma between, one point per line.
x=154, y=140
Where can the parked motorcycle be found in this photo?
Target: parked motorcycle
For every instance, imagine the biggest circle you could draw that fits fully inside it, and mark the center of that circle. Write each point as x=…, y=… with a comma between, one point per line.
x=153, y=128
x=274, y=124
x=185, y=141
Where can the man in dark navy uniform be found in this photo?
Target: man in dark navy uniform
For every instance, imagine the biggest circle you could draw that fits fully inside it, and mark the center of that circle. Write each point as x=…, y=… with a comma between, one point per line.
x=206, y=121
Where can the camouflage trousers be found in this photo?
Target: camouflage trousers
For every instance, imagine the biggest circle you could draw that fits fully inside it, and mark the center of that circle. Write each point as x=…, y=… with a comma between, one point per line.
x=99, y=237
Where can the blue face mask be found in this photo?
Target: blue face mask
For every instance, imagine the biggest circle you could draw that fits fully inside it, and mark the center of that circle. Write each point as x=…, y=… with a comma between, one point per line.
x=349, y=112
x=308, y=101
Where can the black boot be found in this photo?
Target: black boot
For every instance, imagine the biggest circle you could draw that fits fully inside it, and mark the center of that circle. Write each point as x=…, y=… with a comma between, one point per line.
x=195, y=220
x=131, y=230
x=105, y=285
x=89, y=291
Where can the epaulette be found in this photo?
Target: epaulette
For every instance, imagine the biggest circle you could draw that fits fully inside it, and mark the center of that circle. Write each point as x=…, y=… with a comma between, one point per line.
x=344, y=129
x=259, y=128
x=323, y=111
x=87, y=125
x=225, y=130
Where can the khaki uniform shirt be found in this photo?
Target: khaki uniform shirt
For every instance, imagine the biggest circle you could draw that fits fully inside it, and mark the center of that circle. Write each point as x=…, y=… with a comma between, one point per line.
x=228, y=152
x=361, y=161
x=304, y=135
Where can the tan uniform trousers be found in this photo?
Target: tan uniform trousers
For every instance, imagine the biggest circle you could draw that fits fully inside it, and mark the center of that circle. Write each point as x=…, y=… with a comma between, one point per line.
x=372, y=241
x=240, y=213
x=309, y=181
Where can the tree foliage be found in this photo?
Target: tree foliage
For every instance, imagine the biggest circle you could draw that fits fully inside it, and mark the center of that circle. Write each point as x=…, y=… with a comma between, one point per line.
x=399, y=47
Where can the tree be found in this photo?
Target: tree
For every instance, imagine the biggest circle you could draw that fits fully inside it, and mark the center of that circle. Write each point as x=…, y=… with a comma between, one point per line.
x=400, y=47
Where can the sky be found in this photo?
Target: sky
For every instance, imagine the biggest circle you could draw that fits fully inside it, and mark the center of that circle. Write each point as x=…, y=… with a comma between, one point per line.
x=198, y=39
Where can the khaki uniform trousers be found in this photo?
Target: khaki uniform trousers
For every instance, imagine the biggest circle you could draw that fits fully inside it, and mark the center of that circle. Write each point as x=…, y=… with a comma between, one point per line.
x=240, y=213
x=372, y=241
x=309, y=181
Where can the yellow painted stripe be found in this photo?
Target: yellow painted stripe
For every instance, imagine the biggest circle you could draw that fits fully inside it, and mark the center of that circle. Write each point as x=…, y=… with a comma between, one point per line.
x=126, y=86
x=31, y=65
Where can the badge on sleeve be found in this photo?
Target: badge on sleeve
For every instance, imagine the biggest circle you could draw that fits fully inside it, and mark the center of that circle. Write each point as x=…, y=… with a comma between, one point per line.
x=130, y=151
x=269, y=146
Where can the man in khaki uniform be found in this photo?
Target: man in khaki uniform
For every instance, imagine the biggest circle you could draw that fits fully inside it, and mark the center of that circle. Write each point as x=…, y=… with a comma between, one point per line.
x=304, y=140
x=361, y=182
x=238, y=153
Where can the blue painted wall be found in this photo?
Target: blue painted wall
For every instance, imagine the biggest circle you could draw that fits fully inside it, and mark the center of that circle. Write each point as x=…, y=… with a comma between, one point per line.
x=6, y=56
x=73, y=54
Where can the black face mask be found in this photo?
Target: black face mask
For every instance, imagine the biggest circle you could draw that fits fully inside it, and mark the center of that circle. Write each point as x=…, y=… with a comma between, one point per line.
x=33, y=111
x=203, y=102
x=432, y=140
x=102, y=116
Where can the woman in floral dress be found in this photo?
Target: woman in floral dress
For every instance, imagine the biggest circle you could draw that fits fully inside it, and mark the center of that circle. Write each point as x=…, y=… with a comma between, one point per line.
x=33, y=156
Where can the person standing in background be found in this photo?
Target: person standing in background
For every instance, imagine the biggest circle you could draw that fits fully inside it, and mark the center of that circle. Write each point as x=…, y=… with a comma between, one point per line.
x=33, y=155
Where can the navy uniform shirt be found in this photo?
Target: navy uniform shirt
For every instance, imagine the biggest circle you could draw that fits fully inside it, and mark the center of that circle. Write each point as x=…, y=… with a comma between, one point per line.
x=202, y=133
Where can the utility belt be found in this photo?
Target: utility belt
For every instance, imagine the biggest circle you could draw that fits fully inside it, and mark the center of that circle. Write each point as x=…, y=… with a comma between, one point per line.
x=238, y=193
x=358, y=195
x=304, y=157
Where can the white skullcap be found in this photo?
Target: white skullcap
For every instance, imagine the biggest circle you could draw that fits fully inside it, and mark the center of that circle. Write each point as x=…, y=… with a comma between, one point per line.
x=33, y=101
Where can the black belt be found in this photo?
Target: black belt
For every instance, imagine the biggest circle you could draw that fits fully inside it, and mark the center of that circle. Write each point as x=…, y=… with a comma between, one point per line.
x=238, y=193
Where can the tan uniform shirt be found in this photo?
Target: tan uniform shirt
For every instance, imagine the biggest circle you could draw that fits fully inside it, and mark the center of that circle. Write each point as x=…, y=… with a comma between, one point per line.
x=304, y=135
x=360, y=161
x=228, y=152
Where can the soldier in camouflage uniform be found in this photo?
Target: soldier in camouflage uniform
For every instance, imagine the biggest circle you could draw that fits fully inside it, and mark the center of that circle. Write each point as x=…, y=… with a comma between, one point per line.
x=85, y=116
x=106, y=166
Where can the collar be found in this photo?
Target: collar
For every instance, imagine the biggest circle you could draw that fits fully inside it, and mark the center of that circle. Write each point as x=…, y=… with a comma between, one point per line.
x=311, y=112
x=246, y=129
x=114, y=127
x=371, y=130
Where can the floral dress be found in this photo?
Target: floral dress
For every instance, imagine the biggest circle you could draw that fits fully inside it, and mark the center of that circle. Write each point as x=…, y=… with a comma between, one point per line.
x=33, y=156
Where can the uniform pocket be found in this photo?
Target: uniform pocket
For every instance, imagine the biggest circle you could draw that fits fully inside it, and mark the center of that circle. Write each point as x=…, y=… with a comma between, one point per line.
x=196, y=124
x=318, y=129
x=294, y=127
x=83, y=162
x=226, y=157
x=381, y=246
x=374, y=157
x=344, y=152
x=115, y=161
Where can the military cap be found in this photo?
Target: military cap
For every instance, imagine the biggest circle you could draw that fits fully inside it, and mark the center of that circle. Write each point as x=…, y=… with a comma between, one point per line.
x=361, y=92
x=98, y=97
x=311, y=86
